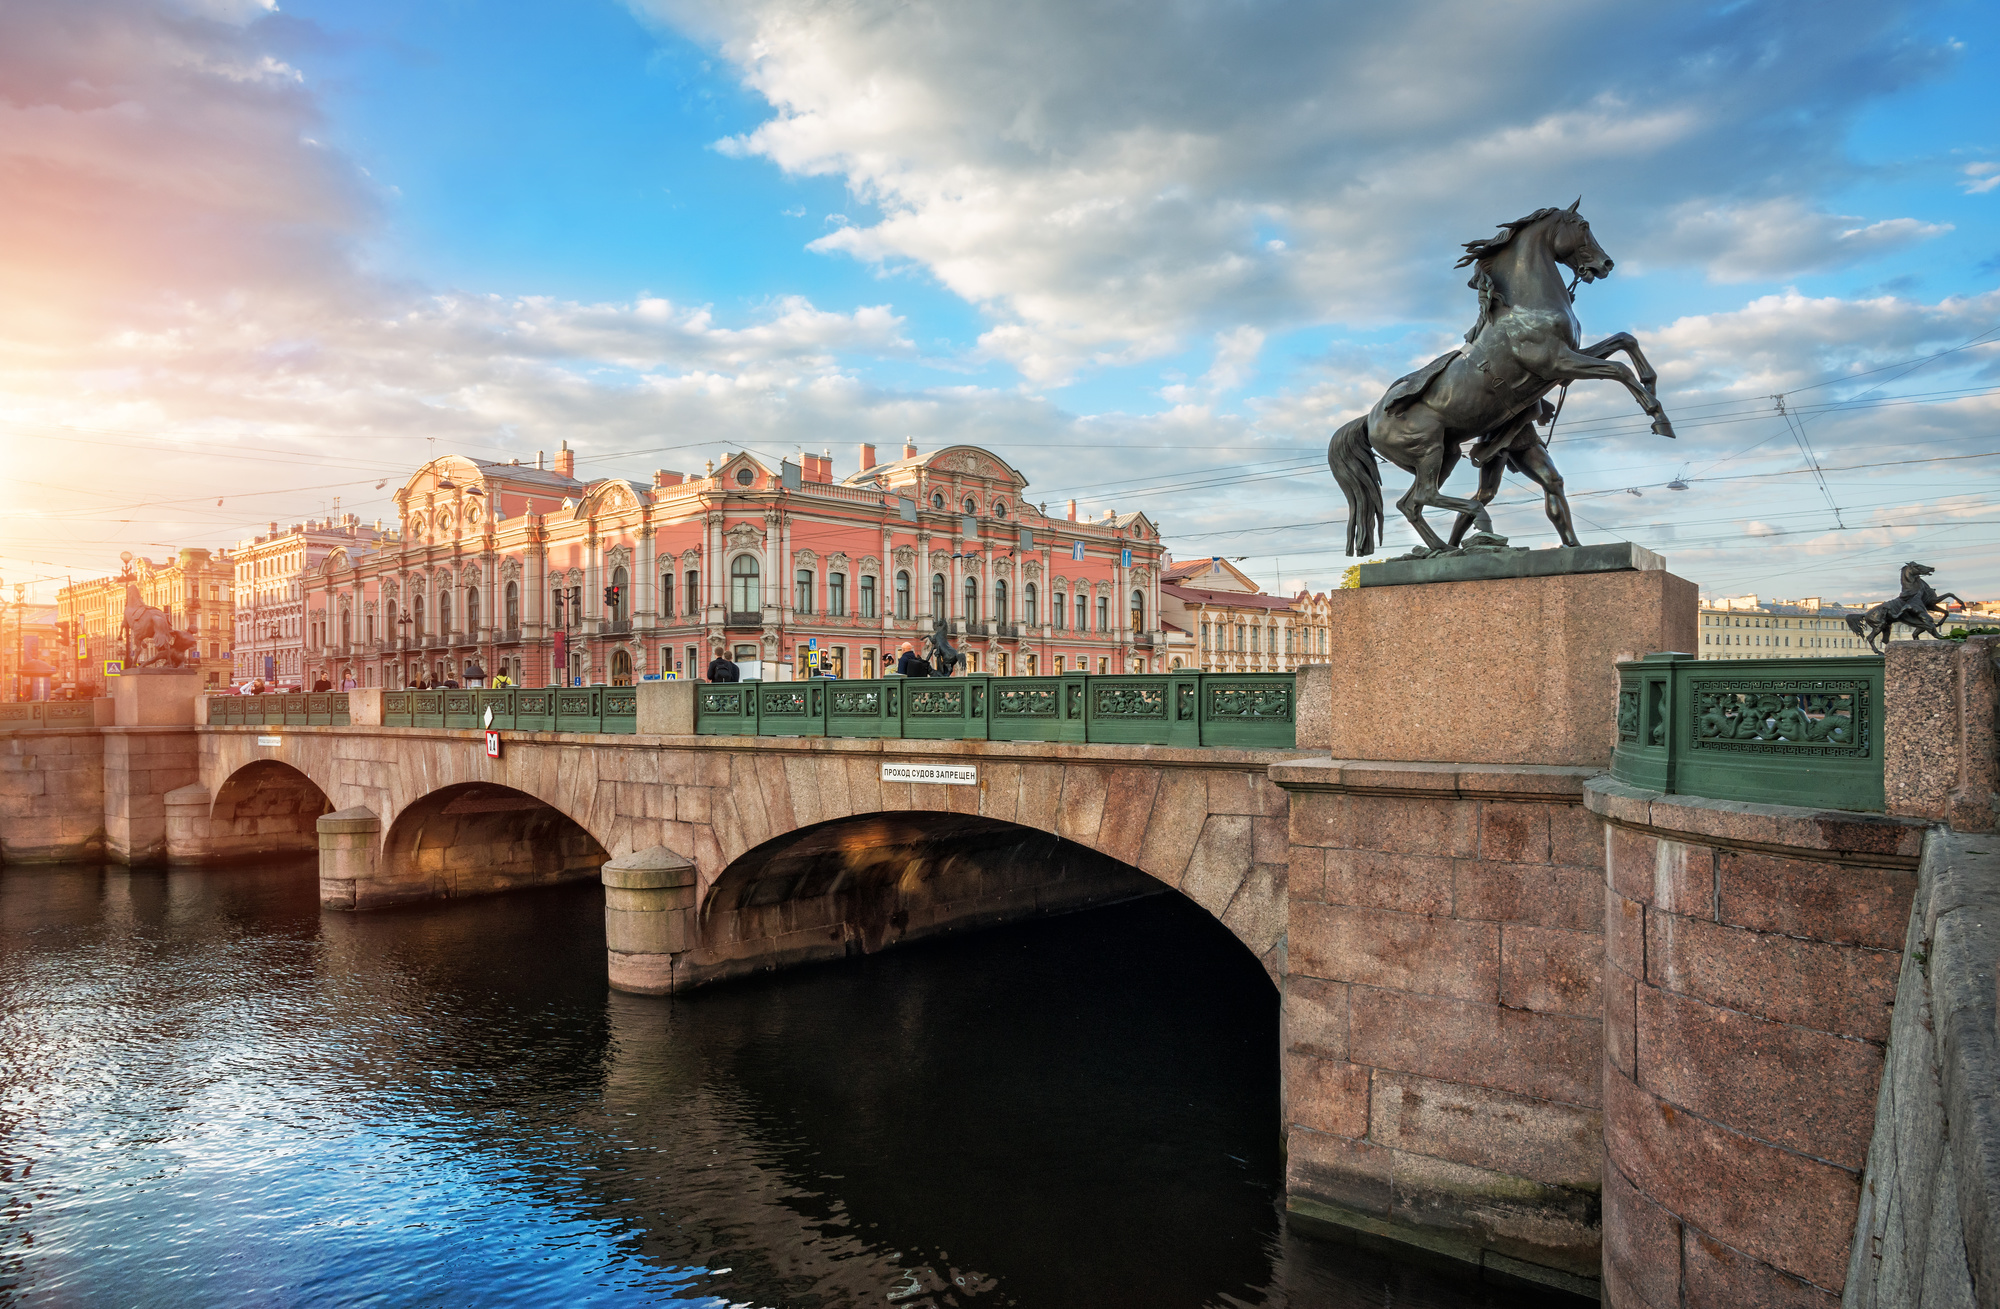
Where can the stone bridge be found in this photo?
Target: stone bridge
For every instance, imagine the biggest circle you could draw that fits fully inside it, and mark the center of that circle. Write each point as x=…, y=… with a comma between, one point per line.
x=799, y=848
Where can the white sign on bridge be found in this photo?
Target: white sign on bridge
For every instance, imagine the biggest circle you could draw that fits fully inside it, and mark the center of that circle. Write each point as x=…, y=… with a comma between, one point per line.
x=935, y=774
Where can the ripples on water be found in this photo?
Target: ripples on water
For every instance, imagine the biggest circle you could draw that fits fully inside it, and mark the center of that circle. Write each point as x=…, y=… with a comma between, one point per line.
x=212, y=1093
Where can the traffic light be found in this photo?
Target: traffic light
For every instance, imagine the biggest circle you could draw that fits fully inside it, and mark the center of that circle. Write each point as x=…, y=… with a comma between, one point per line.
x=610, y=597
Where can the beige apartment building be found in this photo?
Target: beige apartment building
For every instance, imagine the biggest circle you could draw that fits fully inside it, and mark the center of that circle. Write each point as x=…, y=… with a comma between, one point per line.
x=1748, y=627
x=1233, y=626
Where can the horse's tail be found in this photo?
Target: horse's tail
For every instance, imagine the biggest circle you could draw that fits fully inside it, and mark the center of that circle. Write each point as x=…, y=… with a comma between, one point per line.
x=1353, y=464
x=1857, y=624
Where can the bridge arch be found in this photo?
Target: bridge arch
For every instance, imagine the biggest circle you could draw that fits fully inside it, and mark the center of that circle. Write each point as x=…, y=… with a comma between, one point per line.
x=470, y=838
x=265, y=808
x=860, y=883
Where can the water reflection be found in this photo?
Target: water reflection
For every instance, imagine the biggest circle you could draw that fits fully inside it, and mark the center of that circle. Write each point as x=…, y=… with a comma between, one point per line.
x=212, y=1093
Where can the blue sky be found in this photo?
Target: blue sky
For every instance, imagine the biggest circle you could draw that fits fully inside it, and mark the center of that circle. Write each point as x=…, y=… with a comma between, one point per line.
x=1136, y=250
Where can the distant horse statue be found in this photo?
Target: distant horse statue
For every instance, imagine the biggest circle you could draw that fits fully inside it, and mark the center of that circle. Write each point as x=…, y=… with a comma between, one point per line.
x=946, y=658
x=149, y=628
x=1912, y=609
x=1491, y=390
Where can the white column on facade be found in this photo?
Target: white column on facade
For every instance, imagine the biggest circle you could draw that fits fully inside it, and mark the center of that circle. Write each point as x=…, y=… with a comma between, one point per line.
x=885, y=586
x=920, y=581
x=986, y=583
x=774, y=544
x=593, y=582
x=647, y=583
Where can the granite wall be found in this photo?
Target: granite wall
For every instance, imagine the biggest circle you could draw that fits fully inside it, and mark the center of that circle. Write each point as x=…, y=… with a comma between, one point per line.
x=1928, y=1235
x=1751, y=956
x=51, y=796
x=1442, y=1016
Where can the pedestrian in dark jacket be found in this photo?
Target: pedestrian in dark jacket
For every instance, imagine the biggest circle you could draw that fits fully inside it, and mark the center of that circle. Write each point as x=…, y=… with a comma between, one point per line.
x=909, y=663
x=721, y=669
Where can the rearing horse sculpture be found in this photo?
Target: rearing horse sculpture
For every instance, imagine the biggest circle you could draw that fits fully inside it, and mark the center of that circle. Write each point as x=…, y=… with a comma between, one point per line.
x=1490, y=391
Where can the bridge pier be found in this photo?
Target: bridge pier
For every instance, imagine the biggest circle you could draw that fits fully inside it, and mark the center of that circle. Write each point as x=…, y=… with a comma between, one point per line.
x=649, y=918
x=350, y=855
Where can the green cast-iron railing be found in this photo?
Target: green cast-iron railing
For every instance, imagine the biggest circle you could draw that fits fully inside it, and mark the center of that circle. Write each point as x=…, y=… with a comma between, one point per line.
x=307, y=709
x=47, y=715
x=1182, y=708
x=1766, y=731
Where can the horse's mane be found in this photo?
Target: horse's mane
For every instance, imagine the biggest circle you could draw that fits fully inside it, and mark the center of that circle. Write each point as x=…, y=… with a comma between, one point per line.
x=1480, y=253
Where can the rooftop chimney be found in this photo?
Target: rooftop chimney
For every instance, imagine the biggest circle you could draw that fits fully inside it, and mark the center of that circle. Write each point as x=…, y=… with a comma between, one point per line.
x=909, y=449
x=867, y=457
x=539, y=462
x=826, y=465
x=1072, y=511
x=565, y=461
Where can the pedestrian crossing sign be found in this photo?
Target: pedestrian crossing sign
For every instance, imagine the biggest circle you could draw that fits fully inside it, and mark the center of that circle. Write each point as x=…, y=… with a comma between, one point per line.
x=114, y=667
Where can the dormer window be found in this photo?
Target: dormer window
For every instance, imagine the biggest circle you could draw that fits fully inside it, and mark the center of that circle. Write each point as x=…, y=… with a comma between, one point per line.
x=999, y=508
x=971, y=505
x=937, y=500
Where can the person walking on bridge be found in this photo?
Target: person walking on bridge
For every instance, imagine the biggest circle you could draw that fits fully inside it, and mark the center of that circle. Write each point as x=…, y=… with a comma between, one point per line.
x=911, y=664
x=721, y=669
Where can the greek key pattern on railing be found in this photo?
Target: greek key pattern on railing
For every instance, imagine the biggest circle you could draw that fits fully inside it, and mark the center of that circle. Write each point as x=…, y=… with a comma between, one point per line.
x=857, y=703
x=1130, y=702
x=1027, y=702
x=1260, y=700
x=1797, y=718
x=936, y=704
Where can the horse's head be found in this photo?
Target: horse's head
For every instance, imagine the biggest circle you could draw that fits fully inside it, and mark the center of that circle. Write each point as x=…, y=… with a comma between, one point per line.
x=1914, y=570
x=1575, y=246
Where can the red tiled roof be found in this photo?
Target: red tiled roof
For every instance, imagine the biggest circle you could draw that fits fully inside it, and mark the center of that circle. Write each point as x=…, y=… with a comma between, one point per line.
x=1237, y=599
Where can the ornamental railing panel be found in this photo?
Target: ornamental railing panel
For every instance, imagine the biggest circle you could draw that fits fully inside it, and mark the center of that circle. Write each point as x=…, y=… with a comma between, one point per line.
x=1179, y=708
x=1765, y=731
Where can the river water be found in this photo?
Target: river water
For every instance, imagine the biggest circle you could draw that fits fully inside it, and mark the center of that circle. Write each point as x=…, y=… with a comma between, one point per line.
x=211, y=1093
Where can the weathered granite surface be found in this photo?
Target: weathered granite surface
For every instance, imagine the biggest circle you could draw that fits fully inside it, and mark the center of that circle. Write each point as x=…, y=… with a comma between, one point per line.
x=1517, y=671
x=1442, y=1020
x=1939, y=706
x=1750, y=958
x=1928, y=1234
x=1491, y=565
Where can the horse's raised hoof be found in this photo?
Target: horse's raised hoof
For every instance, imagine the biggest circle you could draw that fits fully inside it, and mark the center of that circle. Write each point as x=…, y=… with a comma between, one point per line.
x=1663, y=428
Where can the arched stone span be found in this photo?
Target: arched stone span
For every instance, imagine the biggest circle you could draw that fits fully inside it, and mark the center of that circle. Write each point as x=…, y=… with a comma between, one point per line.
x=265, y=808
x=857, y=885
x=1206, y=822
x=471, y=838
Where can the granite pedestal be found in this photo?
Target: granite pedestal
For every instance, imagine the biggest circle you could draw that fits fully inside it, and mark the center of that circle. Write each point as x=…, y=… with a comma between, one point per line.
x=1512, y=670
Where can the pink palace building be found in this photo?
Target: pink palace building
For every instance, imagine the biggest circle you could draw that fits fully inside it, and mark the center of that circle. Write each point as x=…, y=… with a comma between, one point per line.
x=534, y=573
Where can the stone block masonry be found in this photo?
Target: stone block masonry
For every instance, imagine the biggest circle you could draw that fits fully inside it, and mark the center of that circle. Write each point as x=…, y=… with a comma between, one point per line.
x=1928, y=1233
x=1751, y=955
x=1509, y=671
x=1442, y=1011
x=51, y=796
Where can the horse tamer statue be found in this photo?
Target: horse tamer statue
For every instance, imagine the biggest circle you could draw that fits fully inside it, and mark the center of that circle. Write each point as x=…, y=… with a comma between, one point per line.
x=1490, y=392
x=148, y=627
x=1912, y=608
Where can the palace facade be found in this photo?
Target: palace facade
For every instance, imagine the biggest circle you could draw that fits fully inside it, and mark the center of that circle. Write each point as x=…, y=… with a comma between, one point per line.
x=534, y=573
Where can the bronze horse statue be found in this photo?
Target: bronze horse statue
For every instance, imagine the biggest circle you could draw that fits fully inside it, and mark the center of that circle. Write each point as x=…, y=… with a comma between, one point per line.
x=146, y=626
x=946, y=658
x=1491, y=390
x=1912, y=608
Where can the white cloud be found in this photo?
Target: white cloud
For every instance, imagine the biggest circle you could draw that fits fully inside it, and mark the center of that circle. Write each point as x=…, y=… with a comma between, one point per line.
x=1104, y=188
x=1981, y=178
x=1779, y=238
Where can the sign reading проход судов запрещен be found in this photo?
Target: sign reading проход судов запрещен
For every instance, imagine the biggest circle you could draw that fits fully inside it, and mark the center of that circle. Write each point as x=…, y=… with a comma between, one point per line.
x=935, y=774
